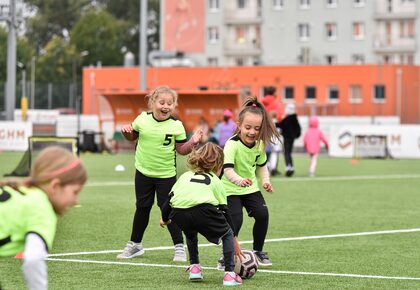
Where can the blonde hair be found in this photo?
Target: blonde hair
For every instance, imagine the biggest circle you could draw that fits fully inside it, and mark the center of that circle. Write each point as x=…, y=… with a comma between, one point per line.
x=268, y=129
x=152, y=96
x=208, y=158
x=57, y=162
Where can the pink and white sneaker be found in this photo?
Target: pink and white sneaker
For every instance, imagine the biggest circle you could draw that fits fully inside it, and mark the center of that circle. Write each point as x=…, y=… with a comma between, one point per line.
x=195, y=272
x=231, y=279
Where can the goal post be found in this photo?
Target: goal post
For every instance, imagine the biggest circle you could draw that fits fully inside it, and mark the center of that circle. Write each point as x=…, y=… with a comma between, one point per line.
x=370, y=146
x=36, y=144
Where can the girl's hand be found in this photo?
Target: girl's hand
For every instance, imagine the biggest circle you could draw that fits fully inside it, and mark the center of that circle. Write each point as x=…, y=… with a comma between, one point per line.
x=196, y=138
x=246, y=182
x=268, y=187
x=127, y=129
x=163, y=224
x=238, y=250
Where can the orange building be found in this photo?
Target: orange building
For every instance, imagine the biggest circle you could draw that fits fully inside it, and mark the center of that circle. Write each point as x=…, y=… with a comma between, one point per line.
x=353, y=90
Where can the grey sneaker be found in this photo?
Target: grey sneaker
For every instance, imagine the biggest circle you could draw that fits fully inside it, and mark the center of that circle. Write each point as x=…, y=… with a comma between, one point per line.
x=263, y=259
x=180, y=254
x=221, y=264
x=131, y=250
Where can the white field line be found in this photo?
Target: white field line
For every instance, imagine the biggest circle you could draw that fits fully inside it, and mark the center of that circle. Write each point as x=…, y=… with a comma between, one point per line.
x=294, y=179
x=250, y=242
x=213, y=268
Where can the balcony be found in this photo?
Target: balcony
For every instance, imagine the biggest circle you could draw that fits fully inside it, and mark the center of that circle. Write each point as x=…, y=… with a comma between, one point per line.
x=382, y=45
x=242, y=48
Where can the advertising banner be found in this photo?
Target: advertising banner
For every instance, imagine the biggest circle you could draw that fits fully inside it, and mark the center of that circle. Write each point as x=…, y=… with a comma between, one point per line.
x=14, y=135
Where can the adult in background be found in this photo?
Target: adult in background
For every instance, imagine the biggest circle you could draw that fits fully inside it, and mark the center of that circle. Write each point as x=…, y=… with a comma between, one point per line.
x=290, y=130
x=226, y=128
x=271, y=103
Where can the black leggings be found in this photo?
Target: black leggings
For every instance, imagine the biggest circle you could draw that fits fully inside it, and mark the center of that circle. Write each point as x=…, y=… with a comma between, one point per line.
x=255, y=206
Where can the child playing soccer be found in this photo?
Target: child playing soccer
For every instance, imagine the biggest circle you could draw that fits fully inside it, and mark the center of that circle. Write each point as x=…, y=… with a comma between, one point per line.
x=197, y=204
x=158, y=135
x=28, y=210
x=244, y=157
x=312, y=143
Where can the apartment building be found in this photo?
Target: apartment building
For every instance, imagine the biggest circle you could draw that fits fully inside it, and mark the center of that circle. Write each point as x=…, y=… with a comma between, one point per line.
x=292, y=32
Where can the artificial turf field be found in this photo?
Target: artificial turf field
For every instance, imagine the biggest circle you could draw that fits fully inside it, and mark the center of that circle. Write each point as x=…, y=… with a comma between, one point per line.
x=353, y=226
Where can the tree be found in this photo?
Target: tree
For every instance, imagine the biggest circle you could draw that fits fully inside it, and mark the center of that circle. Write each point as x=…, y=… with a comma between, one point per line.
x=128, y=13
x=23, y=53
x=99, y=33
x=52, y=18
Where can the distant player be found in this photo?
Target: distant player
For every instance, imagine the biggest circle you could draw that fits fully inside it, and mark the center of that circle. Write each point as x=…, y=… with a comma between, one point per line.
x=197, y=204
x=158, y=135
x=245, y=157
x=28, y=210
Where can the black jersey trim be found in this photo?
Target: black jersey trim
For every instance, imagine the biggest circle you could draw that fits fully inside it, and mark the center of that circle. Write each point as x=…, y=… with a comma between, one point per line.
x=169, y=118
x=228, y=165
x=261, y=165
x=5, y=241
x=181, y=141
x=237, y=138
x=46, y=247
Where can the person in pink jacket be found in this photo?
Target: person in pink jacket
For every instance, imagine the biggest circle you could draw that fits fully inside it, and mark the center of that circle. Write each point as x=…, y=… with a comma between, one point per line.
x=312, y=143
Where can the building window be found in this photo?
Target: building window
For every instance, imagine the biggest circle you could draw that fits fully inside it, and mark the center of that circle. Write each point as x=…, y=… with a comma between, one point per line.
x=240, y=34
x=304, y=4
x=410, y=59
x=331, y=31
x=379, y=93
x=310, y=93
x=214, y=5
x=359, y=3
x=213, y=34
x=212, y=61
x=333, y=94
x=240, y=61
x=242, y=4
x=289, y=93
x=303, y=31
x=332, y=3
x=331, y=59
x=407, y=29
x=355, y=94
x=358, y=58
x=358, y=30
x=278, y=4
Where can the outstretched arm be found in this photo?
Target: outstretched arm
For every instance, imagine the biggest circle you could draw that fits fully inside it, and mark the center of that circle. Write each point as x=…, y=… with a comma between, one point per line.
x=129, y=133
x=34, y=265
x=187, y=147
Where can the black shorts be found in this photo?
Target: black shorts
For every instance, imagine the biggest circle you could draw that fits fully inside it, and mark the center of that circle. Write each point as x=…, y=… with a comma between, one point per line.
x=252, y=202
x=147, y=187
x=205, y=219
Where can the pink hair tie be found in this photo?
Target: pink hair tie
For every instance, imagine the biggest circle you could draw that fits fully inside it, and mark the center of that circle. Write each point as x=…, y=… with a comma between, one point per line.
x=66, y=168
x=254, y=105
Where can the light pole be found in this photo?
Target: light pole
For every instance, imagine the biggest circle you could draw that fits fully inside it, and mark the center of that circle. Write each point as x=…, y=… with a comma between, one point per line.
x=24, y=99
x=78, y=98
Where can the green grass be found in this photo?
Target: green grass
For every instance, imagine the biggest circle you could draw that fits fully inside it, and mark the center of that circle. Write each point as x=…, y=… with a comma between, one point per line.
x=344, y=198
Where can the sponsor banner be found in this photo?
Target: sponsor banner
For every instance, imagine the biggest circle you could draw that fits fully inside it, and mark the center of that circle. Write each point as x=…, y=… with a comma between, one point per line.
x=402, y=141
x=14, y=135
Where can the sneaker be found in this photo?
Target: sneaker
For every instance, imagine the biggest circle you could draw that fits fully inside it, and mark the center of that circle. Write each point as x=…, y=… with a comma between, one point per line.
x=231, y=279
x=180, y=255
x=195, y=272
x=262, y=258
x=131, y=250
x=290, y=173
x=221, y=264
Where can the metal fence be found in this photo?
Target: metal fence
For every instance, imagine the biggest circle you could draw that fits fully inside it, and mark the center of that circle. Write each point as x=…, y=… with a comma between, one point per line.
x=46, y=95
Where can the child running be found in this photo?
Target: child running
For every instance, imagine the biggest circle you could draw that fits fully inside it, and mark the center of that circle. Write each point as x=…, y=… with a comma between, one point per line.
x=158, y=135
x=197, y=204
x=244, y=157
x=312, y=143
x=29, y=209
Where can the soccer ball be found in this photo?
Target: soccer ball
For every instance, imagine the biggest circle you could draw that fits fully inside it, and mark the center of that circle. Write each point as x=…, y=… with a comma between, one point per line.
x=248, y=266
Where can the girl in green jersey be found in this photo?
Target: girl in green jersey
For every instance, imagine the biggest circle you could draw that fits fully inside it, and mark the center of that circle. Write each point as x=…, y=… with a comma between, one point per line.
x=29, y=209
x=245, y=158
